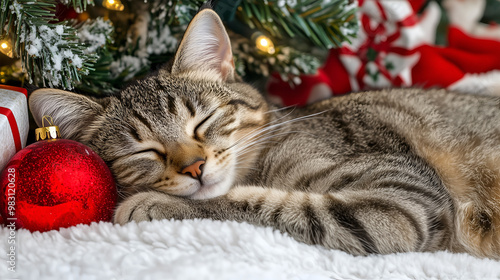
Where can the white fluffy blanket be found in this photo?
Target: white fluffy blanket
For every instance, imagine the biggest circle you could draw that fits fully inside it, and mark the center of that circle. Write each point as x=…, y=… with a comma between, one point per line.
x=204, y=249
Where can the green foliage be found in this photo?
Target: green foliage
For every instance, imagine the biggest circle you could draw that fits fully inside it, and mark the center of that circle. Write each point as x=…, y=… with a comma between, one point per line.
x=324, y=23
x=98, y=35
x=179, y=12
x=286, y=61
x=50, y=52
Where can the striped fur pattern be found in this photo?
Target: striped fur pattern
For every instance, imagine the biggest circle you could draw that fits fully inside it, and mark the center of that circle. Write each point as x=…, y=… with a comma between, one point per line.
x=372, y=172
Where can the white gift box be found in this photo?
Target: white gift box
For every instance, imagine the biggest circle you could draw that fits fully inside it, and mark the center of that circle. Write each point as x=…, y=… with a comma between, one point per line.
x=14, y=122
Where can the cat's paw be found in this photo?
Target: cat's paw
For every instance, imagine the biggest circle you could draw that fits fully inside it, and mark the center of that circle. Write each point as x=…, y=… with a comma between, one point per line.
x=147, y=206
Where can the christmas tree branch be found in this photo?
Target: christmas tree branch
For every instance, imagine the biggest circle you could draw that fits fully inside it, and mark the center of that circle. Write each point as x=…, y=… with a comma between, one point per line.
x=286, y=61
x=325, y=23
x=180, y=12
x=51, y=53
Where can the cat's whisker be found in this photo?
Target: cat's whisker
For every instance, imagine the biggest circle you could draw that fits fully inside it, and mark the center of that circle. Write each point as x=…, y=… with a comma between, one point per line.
x=265, y=137
x=246, y=168
x=293, y=120
x=257, y=142
x=254, y=141
x=265, y=127
x=256, y=137
x=281, y=109
x=121, y=194
x=256, y=131
x=268, y=128
x=252, y=147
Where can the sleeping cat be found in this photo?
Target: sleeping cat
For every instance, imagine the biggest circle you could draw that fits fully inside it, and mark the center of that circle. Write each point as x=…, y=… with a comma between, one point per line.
x=373, y=172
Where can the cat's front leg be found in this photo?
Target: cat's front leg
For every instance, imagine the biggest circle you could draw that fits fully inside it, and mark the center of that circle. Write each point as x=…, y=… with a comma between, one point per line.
x=155, y=205
x=152, y=205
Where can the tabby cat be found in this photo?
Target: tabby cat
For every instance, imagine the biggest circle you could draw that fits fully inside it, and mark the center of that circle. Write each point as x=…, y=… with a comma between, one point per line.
x=373, y=172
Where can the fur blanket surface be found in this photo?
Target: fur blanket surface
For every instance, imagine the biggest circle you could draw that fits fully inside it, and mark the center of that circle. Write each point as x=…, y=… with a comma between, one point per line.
x=205, y=249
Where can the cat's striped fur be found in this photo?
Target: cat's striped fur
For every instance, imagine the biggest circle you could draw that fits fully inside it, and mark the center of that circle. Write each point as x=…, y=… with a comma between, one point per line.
x=372, y=172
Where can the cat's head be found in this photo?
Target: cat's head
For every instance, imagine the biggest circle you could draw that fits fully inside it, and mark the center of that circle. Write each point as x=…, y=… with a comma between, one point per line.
x=186, y=131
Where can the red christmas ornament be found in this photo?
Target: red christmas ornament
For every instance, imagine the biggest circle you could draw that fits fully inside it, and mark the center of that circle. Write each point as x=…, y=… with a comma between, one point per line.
x=56, y=183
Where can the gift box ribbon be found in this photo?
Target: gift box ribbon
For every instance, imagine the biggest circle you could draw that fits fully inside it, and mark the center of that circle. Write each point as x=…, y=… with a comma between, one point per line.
x=13, y=126
x=10, y=117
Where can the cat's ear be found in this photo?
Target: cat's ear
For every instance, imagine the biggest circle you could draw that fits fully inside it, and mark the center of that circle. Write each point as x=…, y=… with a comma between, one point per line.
x=70, y=111
x=206, y=46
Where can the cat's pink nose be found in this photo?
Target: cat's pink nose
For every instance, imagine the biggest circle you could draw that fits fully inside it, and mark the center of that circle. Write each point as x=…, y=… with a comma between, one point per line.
x=195, y=169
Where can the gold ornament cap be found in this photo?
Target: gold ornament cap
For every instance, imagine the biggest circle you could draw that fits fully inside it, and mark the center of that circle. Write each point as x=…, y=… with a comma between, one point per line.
x=47, y=132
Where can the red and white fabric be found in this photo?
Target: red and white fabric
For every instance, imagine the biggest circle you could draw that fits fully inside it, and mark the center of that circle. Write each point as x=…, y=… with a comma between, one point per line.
x=384, y=51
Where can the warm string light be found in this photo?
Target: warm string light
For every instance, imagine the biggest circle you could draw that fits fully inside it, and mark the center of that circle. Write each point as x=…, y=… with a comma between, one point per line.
x=3, y=80
x=6, y=48
x=264, y=43
x=83, y=16
x=115, y=5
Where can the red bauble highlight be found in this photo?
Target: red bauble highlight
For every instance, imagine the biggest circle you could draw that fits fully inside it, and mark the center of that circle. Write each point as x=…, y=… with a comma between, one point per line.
x=56, y=183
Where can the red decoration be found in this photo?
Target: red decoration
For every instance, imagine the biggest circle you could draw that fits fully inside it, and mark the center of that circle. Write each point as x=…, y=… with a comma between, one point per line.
x=64, y=12
x=56, y=183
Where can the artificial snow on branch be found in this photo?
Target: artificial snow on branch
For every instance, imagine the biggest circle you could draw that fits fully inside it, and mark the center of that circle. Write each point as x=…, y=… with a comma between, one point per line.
x=50, y=52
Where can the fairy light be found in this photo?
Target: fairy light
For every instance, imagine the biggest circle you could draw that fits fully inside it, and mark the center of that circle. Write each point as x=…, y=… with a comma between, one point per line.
x=115, y=5
x=264, y=44
x=83, y=16
x=6, y=48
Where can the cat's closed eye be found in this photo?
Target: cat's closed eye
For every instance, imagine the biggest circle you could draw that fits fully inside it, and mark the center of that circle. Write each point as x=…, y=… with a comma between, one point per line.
x=152, y=151
x=200, y=124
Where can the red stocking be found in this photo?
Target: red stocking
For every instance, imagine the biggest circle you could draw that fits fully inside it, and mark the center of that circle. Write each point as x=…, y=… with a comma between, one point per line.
x=470, y=62
x=457, y=39
x=433, y=70
x=442, y=66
